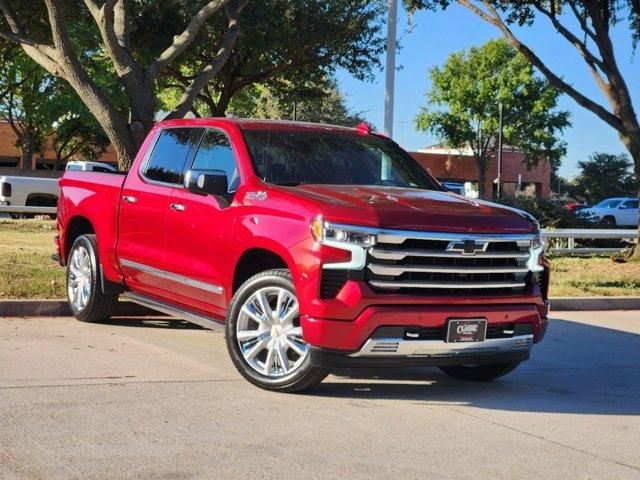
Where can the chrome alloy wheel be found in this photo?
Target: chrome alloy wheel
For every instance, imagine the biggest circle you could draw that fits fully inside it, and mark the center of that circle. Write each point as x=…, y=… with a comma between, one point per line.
x=79, y=279
x=269, y=333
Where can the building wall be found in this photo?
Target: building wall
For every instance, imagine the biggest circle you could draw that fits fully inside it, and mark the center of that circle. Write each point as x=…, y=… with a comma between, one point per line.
x=463, y=168
x=9, y=152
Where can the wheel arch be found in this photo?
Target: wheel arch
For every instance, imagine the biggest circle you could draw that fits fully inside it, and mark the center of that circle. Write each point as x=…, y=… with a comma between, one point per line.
x=50, y=199
x=78, y=225
x=255, y=260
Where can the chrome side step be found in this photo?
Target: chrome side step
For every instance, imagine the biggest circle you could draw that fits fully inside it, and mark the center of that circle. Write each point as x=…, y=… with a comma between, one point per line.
x=176, y=312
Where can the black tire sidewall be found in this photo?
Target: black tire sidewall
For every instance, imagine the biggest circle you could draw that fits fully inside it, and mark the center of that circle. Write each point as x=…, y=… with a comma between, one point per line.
x=278, y=278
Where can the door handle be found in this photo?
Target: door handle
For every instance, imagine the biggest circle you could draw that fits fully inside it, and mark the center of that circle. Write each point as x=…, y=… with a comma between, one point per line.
x=129, y=199
x=178, y=207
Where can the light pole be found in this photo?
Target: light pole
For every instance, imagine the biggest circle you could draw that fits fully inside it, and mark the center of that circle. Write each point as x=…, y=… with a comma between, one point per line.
x=499, y=183
x=390, y=67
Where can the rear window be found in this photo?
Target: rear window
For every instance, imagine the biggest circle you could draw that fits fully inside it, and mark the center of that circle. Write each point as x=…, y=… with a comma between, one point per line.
x=170, y=154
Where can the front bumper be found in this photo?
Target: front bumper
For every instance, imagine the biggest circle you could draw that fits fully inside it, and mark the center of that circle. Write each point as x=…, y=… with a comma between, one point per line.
x=337, y=343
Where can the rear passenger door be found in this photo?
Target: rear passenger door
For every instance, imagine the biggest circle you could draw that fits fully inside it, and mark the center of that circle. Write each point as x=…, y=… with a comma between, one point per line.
x=628, y=213
x=143, y=209
x=200, y=230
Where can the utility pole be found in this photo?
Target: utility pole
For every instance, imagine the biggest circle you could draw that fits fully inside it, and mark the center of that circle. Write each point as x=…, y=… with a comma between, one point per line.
x=390, y=67
x=499, y=182
x=295, y=110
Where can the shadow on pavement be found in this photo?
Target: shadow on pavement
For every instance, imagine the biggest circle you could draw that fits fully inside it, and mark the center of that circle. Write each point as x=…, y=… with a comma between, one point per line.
x=578, y=368
x=152, y=322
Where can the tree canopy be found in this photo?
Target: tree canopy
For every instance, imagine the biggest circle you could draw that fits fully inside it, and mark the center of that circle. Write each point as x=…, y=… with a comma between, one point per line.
x=586, y=25
x=327, y=106
x=463, y=106
x=604, y=175
x=290, y=46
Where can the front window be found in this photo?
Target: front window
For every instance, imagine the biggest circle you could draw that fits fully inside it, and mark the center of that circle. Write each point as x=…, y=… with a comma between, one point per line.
x=286, y=157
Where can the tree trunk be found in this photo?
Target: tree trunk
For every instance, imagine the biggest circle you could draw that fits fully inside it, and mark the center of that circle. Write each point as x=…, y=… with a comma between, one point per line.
x=26, y=146
x=632, y=142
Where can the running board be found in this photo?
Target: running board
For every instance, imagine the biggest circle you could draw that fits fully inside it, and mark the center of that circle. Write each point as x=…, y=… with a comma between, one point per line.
x=173, y=311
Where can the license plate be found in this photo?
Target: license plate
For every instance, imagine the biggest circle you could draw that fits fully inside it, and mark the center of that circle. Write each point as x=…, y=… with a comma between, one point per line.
x=466, y=330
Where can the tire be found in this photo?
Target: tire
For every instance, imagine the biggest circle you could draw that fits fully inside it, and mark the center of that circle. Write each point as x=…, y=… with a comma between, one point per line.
x=609, y=222
x=84, y=293
x=271, y=352
x=480, y=373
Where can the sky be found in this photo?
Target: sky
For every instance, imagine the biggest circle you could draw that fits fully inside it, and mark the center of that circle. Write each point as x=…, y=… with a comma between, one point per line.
x=429, y=37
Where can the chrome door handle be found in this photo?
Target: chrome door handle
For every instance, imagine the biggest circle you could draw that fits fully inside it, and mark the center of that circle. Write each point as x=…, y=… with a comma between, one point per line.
x=129, y=199
x=178, y=207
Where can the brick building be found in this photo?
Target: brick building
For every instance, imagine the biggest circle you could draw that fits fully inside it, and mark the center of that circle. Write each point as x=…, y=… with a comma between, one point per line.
x=11, y=156
x=460, y=166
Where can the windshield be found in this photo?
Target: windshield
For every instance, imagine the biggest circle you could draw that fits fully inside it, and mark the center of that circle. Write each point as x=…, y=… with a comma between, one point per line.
x=608, y=204
x=285, y=157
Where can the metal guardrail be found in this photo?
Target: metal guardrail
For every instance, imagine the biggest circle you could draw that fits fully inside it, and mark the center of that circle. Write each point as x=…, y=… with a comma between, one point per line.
x=29, y=210
x=573, y=234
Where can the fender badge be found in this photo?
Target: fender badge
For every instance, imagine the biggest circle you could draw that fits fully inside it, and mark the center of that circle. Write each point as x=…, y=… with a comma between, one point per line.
x=256, y=196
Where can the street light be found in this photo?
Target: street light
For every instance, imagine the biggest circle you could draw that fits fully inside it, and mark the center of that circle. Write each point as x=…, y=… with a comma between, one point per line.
x=390, y=67
x=499, y=179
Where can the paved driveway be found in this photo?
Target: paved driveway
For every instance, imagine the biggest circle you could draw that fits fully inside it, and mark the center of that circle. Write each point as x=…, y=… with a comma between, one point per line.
x=160, y=399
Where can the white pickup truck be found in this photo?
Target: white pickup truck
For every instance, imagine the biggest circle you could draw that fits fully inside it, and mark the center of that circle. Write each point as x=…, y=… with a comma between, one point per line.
x=29, y=196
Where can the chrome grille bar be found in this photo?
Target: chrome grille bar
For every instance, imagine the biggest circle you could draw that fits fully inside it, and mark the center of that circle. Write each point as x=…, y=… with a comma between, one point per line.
x=397, y=254
x=435, y=261
x=394, y=284
x=395, y=270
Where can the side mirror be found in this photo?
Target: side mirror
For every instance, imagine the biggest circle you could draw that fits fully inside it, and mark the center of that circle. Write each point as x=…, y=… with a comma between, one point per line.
x=211, y=182
x=622, y=207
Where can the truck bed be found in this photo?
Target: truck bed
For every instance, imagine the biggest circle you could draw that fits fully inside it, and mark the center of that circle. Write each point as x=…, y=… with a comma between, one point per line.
x=92, y=195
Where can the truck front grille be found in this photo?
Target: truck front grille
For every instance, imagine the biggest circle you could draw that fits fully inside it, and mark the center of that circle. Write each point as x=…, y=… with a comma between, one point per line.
x=446, y=264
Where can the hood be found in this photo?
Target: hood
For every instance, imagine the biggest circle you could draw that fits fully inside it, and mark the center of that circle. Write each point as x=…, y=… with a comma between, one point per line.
x=412, y=209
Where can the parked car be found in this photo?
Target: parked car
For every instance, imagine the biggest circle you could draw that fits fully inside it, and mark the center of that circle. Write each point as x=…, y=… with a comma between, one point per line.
x=87, y=166
x=574, y=207
x=16, y=193
x=622, y=212
x=315, y=246
x=35, y=193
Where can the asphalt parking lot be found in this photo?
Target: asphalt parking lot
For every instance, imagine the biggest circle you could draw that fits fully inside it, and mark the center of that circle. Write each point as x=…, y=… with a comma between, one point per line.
x=160, y=399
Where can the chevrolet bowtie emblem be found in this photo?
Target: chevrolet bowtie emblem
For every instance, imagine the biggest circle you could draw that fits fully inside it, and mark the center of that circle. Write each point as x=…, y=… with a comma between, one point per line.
x=467, y=247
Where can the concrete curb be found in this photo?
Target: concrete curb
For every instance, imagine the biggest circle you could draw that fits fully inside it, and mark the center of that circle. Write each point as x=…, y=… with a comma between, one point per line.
x=563, y=304
x=60, y=308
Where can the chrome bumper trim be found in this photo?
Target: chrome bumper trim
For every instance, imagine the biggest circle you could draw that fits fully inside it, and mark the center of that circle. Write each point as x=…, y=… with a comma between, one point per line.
x=398, y=347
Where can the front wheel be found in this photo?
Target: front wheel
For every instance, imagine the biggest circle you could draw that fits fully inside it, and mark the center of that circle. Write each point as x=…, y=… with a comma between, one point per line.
x=264, y=336
x=480, y=373
x=87, y=301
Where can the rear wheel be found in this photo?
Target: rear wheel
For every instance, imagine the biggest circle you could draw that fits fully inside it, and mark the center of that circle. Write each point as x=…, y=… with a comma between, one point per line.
x=264, y=336
x=480, y=373
x=87, y=301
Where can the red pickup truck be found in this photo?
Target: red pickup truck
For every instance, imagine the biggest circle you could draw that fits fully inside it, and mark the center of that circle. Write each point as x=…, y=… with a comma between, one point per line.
x=316, y=247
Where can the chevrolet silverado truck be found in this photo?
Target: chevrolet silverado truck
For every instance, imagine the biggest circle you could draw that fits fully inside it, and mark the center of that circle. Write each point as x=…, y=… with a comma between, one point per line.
x=314, y=246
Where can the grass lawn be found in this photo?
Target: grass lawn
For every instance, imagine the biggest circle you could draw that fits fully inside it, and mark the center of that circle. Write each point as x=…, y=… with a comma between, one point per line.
x=26, y=268
x=582, y=276
x=27, y=271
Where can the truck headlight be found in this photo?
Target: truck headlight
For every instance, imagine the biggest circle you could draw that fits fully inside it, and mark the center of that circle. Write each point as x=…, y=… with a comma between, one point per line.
x=325, y=232
x=345, y=237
